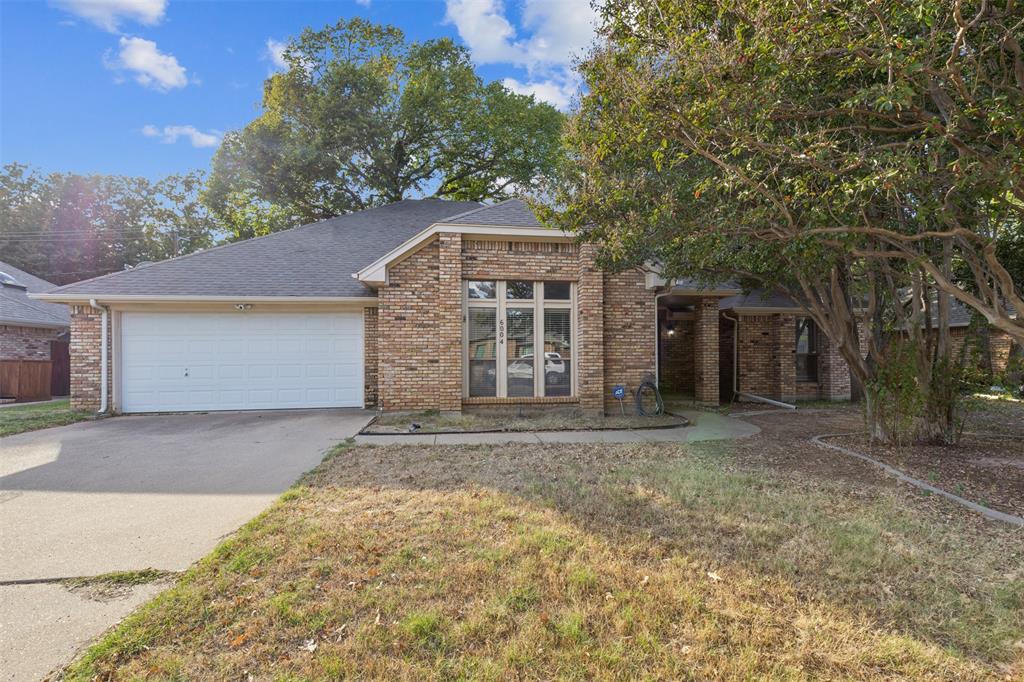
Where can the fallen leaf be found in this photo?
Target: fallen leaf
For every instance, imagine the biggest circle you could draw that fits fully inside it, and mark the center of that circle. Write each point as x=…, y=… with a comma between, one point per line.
x=239, y=641
x=714, y=577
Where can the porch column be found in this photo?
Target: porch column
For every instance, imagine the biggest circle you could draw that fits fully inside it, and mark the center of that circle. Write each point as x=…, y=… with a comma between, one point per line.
x=590, y=332
x=783, y=345
x=449, y=322
x=705, y=350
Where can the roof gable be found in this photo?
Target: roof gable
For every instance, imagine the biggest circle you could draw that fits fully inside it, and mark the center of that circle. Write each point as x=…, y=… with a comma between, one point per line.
x=16, y=308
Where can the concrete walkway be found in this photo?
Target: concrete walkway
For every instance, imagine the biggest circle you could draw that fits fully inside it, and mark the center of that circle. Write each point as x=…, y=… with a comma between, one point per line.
x=703, y=426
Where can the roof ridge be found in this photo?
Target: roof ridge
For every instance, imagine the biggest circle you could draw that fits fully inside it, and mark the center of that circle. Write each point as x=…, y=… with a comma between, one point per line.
x=484, y=207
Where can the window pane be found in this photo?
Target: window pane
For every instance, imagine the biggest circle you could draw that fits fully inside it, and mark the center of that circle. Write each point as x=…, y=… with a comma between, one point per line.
x=519, y=380
x=482, y=352
x=805, y=335
x=481, y=289
x=806, y=367
x=557, y=291
x=557, y=351
x=519, y=290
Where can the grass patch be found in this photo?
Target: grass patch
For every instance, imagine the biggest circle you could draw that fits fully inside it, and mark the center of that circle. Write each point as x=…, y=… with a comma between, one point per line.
x=34, y=417
x=120, y=578
x=598, y=561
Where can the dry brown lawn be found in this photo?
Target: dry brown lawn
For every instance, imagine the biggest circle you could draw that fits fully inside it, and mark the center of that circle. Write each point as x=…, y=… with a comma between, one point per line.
x=763, y=558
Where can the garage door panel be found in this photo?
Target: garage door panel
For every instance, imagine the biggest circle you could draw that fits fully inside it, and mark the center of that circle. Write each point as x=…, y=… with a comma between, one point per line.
x=240, y=361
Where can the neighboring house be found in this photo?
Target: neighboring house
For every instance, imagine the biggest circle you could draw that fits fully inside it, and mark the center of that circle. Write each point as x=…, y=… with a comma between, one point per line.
x=30, y=330
x=420, y=304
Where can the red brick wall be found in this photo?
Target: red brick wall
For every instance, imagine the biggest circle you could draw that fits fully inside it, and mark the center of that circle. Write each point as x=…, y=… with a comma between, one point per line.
x=629, y=332
x=409, y=370
x=590, y=331
x=370, y=357
x=705, y=356
x=85, y=358
x=675, y=374
x=26, y=343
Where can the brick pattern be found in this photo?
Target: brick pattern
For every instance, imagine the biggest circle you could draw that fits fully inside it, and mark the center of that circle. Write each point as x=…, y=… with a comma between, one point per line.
x=370, y=358
x=512, y=260
x=783, y=354
x=449, y=322
x=629, y=333
x=676, y=371
x=1000, y=347
x=409, y=368
x=85, y=359
x=833, y=372
x=589, y=331
x=705, y=350
x=26, y=343
x=726, y=336
x=755, y=356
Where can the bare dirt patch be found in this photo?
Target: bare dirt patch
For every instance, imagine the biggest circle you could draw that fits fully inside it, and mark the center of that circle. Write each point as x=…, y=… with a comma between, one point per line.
x=551, y=419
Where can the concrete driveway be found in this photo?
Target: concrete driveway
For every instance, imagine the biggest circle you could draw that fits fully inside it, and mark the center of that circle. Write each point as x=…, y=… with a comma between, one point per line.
x=132, y=493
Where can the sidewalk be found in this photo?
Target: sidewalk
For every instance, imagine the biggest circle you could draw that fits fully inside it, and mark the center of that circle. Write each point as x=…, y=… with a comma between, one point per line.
x=703, y=426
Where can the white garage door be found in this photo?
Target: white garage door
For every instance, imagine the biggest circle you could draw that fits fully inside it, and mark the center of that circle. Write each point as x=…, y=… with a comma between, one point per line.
x=242, y=361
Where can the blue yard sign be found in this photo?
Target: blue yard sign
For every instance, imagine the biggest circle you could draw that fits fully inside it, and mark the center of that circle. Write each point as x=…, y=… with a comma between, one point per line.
x=619, y=392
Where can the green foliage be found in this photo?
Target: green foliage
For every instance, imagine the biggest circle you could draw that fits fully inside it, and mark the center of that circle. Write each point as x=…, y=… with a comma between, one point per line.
x=65, y=227
x=363, y=117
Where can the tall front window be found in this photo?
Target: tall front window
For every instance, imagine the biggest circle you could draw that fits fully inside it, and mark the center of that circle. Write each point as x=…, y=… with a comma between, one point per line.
x=806, y=349
x=519, y=338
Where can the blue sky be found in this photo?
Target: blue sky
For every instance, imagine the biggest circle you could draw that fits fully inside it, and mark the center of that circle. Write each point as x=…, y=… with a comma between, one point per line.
x=147, y=87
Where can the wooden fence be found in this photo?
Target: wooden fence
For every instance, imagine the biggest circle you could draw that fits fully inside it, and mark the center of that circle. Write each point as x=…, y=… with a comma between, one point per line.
x=25, y=380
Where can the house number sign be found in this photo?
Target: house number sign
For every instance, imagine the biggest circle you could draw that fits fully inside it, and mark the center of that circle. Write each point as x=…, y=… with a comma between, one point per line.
x=501, y=332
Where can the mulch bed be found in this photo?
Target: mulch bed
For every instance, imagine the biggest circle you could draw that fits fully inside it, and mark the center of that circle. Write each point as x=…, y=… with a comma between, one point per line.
x=988, y=469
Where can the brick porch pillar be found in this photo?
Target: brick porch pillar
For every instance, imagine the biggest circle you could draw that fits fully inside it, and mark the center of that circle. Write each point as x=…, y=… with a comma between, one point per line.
x=449, y=322
x=783, y=345
x=86, y=333
x=705, y=350
x=833, y=372
x=590, y=332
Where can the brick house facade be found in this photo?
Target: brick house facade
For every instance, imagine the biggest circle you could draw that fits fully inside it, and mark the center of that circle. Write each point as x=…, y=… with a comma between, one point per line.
x=548, y=326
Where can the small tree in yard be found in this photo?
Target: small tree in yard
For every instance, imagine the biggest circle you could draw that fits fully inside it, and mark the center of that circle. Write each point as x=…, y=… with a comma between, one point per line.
x=864, y=156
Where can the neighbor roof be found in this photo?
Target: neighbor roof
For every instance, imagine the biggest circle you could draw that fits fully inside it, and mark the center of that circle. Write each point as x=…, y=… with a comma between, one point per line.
x=315, y=260
x=16, y=308
x=509, y=213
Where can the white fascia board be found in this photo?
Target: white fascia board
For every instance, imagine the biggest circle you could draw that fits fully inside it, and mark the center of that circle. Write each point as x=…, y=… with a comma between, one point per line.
x=143, y=298
x=376, y=272
x=34, y=325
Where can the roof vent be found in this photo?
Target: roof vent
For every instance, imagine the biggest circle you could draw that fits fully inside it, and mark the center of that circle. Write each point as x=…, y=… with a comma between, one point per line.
x=9, y=281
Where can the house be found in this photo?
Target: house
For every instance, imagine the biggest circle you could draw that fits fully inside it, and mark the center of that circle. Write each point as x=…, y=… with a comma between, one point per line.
x=419, y=304
x=32, y=335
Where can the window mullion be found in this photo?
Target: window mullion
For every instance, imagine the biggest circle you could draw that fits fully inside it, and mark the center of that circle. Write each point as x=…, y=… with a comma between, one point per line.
x=540, y=358
x=501, y=332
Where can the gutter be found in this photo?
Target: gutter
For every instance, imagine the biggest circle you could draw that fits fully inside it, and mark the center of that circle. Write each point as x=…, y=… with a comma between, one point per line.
x=104, y=392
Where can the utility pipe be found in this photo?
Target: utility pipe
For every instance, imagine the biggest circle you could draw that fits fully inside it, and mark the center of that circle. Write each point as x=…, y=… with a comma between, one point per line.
x=103, y=354
x=736, y=369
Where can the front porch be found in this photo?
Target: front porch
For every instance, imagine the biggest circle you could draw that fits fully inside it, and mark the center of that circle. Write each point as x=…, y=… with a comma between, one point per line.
x=688, y=347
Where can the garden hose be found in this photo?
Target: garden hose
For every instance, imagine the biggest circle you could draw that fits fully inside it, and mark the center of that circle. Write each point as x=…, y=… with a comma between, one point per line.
x=643, y=390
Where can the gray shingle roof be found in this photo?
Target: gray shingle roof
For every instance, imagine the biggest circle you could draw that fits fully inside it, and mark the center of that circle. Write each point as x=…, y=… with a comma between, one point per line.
x=758, y=298
x=311, y=260
x=509, y=213
x=16, y=308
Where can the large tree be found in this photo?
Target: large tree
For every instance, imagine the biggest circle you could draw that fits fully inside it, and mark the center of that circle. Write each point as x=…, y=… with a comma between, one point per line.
x=65, y=227
x=824, y=148
x=363, y=117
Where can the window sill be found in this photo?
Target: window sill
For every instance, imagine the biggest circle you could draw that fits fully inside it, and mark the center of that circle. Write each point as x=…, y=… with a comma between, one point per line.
x=547, y=400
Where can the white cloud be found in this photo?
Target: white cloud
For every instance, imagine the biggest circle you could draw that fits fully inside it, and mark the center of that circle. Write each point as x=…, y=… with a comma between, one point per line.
x=275, y=53
x=551, y=34
x=108, y=14
x=364, y=3
x=150, y=67
x=170, y=135
x=554, y=31
x=557, y=93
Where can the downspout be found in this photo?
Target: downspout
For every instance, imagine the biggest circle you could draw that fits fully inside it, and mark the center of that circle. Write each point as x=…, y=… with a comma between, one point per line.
x=103, y=354
x=736, y=369
x=735, y=352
